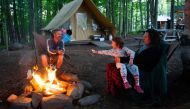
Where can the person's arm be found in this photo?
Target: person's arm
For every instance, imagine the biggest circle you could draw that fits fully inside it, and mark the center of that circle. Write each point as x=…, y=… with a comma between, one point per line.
x=130, y=53
x=50, y=47
x=111, y=52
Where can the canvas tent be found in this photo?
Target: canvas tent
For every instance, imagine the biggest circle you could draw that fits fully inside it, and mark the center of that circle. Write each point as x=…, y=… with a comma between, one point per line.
x=83, y=17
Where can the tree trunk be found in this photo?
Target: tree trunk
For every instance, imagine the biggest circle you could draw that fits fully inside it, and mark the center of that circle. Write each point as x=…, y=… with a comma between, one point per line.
x=9, y=23
x=126, y=17
x=172, y=14
x=16, y=27
x=107, y=9
x=141, y=18
x=2, y=42
x=151, y=12
x=113, y=11
x=148, y=13
x=120, y=17
x=21, y=20
x=131, y=25
x=40, y=15
x=123, y=24
x=31, y=17
x=156, y=13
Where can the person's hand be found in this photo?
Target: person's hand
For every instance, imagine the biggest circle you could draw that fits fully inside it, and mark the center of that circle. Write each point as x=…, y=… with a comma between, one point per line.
x=94, y=51
x=60, y=52
x=117, y=59
x=131, y=62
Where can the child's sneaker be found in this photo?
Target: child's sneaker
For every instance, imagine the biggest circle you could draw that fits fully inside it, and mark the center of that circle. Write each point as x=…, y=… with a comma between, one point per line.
x=127, y=85
x=138, y=89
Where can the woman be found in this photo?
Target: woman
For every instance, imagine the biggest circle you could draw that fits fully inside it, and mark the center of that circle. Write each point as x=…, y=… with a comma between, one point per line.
x=146, y=58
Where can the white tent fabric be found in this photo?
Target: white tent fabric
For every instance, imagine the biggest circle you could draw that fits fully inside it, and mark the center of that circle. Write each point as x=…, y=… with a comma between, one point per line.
x=63, y=15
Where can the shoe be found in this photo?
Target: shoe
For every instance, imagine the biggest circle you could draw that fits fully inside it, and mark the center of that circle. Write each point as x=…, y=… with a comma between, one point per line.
x=127, y=85
x=138, y=89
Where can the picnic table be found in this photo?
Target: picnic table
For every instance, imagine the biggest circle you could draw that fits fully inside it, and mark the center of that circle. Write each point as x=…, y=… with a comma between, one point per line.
x=138, y=39
x=170, y=35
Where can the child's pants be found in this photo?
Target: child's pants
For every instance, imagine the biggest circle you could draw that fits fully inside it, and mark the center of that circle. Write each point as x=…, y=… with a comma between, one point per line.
x=132, y=68
x=123, y=69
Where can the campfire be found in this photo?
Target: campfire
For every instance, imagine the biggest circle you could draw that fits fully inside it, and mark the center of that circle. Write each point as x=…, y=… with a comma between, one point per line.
x=49, y=84
x=45, y=91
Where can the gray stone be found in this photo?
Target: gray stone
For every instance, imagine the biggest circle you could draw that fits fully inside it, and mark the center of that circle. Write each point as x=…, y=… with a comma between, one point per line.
x=86, y=84
x=16, y=46
x=75, y=90
x=88, y=100
x=36, y=99
x=58, y=101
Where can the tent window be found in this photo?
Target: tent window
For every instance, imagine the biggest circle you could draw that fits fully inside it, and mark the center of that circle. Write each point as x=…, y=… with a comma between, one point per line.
x=81, y=20
x=94, y=25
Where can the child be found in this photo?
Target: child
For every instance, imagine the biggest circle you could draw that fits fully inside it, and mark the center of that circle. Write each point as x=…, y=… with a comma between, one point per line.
x=120, y=51
x=66, y=38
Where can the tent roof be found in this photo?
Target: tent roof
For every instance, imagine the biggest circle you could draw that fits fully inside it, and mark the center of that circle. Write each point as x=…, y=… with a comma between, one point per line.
x=69, y=9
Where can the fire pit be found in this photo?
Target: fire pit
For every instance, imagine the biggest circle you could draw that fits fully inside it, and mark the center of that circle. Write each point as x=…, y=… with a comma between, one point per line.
x=45, y=91
x=48, y=84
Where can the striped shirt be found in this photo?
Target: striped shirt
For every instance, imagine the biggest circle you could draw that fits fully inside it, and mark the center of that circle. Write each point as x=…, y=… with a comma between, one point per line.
x=53, y=47
x=124, y=52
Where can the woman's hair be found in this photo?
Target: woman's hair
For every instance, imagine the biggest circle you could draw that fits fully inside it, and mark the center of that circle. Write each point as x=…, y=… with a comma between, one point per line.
x=154, y=36
x=119, y=41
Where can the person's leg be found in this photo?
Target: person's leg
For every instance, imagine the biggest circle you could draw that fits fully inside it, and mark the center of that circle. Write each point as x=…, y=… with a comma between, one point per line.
x=123, y=72
x=59, y=61
x=135, y=72
x=44, y=61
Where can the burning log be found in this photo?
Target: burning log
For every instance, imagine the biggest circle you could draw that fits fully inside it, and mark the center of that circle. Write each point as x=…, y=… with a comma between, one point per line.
x=28, y=89
x=69, y=77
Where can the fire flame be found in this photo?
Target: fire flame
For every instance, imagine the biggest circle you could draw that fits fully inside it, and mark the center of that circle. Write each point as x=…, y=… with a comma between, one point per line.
x=51, y=85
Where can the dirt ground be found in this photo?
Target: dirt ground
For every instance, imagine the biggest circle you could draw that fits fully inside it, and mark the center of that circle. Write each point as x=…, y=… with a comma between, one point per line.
x=88, y=67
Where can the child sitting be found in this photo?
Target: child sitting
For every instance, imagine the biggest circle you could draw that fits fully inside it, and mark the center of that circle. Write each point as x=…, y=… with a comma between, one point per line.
x=119, y=51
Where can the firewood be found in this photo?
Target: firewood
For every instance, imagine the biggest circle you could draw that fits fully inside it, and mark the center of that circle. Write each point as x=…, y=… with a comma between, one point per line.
x=69, y=77
x=28, y=89
x=12, y=98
